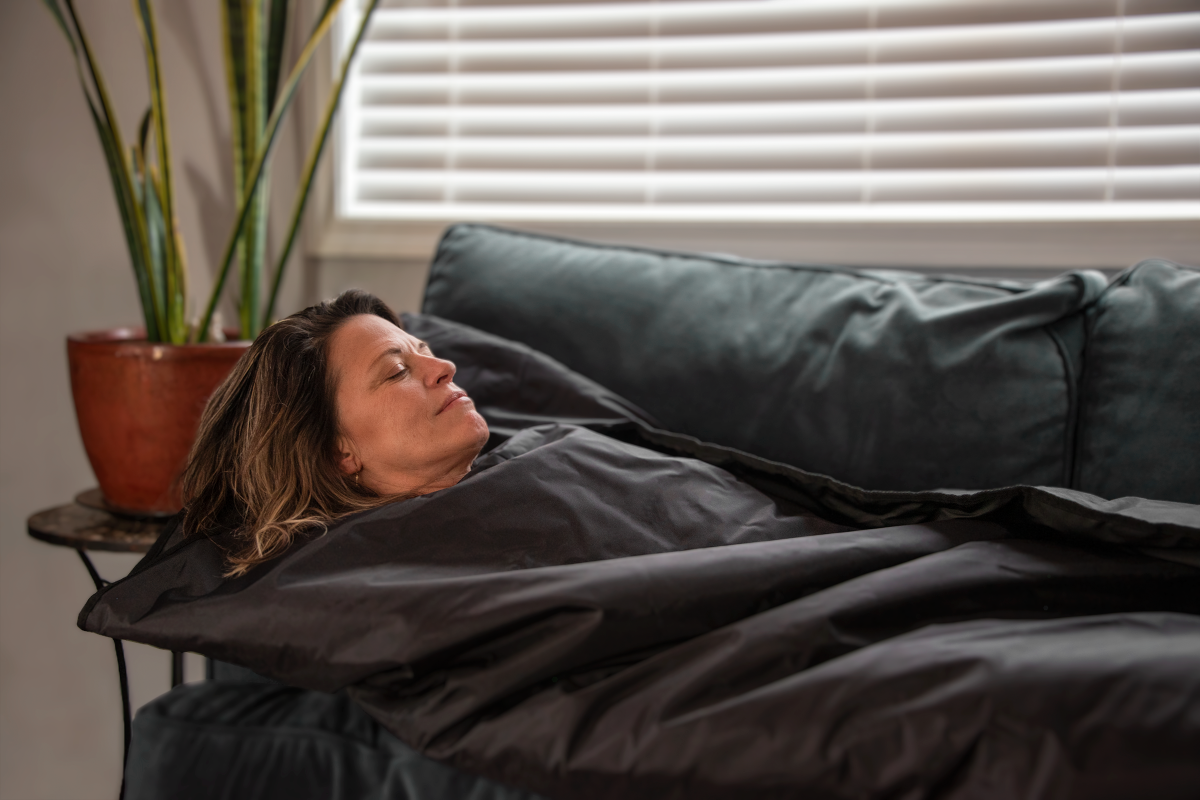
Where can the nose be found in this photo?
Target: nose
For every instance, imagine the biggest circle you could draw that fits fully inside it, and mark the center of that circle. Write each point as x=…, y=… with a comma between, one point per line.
x=438, y=371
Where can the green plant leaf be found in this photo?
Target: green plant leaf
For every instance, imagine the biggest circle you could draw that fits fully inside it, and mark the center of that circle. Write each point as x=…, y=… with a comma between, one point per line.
x=280, y=11
x=310, y=164
x=253, y=258
x=238, y=46
x=171, y=262
x=321, y=18
x=287, y=92
x=148, y=196
x=119, y=170
x=233, y=25
x=176, y=299
x=144, y=132
x=129, y=208
x=116, y=168
x=52, y=5
x=248, y=50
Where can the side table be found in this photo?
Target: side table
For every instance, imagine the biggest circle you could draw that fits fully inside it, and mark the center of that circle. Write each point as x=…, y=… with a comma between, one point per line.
x=88, y=523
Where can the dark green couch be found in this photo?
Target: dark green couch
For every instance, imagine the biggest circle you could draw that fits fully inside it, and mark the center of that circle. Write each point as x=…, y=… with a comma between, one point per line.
x=882, y=379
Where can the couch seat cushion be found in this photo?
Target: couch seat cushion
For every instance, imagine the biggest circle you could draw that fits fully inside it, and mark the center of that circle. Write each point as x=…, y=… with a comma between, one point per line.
x=223, y=740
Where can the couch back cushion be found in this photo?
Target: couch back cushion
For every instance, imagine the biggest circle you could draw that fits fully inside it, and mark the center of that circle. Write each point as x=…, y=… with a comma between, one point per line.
x=886, y=380
x=1139, y=427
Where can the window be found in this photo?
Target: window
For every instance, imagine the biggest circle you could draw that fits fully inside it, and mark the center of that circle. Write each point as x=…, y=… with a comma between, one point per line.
x=774, y=112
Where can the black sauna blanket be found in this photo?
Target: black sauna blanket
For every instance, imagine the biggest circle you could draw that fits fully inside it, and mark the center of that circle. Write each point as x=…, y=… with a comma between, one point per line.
x=602, y=609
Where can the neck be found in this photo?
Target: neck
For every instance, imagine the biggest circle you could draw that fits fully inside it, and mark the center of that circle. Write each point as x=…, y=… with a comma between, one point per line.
x=414, y=484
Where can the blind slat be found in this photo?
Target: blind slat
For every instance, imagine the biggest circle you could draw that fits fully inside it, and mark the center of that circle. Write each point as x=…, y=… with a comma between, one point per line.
x=1174, y=68
x=1075, y=37
x=1174, y=106
x=1012, y=184
x=1038, y=212
x=732, y=16
x=1156, y=145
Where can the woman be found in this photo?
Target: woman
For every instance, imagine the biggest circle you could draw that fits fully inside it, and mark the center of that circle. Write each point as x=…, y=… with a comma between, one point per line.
x=332, y=410
x=337, y=410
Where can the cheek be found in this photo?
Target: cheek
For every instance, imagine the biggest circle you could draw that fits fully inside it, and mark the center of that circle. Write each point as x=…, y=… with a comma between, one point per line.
x=374, y=421
x=401, y=414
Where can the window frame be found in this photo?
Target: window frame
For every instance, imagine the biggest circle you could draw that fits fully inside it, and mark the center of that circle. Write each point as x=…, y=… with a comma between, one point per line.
x=911, y=241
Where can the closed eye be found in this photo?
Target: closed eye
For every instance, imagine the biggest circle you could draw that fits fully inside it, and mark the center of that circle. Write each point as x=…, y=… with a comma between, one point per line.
x=401, y=370
x=398, y=369
x=424, y=350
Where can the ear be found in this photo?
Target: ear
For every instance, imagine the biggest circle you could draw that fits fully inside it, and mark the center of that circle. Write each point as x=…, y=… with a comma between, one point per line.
x=347, y=460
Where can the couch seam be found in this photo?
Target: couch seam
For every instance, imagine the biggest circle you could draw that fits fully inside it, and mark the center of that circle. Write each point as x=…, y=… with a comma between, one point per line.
x=1069, y=377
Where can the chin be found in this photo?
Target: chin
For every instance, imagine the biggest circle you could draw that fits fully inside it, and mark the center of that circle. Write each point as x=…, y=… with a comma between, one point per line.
x=474, y=428
x=481, y=426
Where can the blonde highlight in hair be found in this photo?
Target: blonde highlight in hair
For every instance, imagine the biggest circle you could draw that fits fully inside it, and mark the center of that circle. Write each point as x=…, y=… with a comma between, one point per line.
x=264, y=461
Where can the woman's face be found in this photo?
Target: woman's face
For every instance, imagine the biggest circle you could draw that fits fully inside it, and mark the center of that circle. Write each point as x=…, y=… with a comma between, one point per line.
x=404, y=427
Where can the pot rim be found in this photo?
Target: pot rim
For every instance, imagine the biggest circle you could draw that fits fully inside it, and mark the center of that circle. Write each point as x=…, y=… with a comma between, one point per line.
x=135, y=337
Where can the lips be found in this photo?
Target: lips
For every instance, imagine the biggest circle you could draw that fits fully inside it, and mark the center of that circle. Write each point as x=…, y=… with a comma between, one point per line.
x=453, y=396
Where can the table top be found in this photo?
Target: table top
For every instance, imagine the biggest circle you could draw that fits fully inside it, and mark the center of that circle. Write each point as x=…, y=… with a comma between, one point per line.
x=77, y=524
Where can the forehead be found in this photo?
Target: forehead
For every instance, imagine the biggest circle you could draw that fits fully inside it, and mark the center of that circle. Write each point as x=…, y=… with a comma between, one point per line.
x=362, y=338
x=371, y=326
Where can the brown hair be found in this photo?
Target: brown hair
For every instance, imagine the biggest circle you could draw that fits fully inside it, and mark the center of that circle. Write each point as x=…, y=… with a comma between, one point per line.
x=263, y=464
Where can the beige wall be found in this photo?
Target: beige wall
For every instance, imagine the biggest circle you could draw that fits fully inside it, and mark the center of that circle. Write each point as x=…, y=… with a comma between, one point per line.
x=63, y=267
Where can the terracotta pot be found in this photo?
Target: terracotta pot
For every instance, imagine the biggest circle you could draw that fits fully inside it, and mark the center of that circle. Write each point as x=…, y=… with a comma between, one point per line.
x=138, y=405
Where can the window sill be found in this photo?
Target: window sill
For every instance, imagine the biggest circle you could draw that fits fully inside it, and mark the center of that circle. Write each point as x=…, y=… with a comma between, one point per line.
x=924, y=245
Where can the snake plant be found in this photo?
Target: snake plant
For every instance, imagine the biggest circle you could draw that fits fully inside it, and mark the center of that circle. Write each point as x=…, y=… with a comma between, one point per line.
x=254, y=34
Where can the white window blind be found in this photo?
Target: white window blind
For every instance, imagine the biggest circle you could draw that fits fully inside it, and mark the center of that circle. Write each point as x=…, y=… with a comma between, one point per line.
x=774, y=110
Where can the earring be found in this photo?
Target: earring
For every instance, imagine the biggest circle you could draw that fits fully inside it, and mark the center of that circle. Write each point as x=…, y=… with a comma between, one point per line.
x=356, y=476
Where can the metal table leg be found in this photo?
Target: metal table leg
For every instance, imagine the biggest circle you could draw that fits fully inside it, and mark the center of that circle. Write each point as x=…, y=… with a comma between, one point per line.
x=122, y=673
